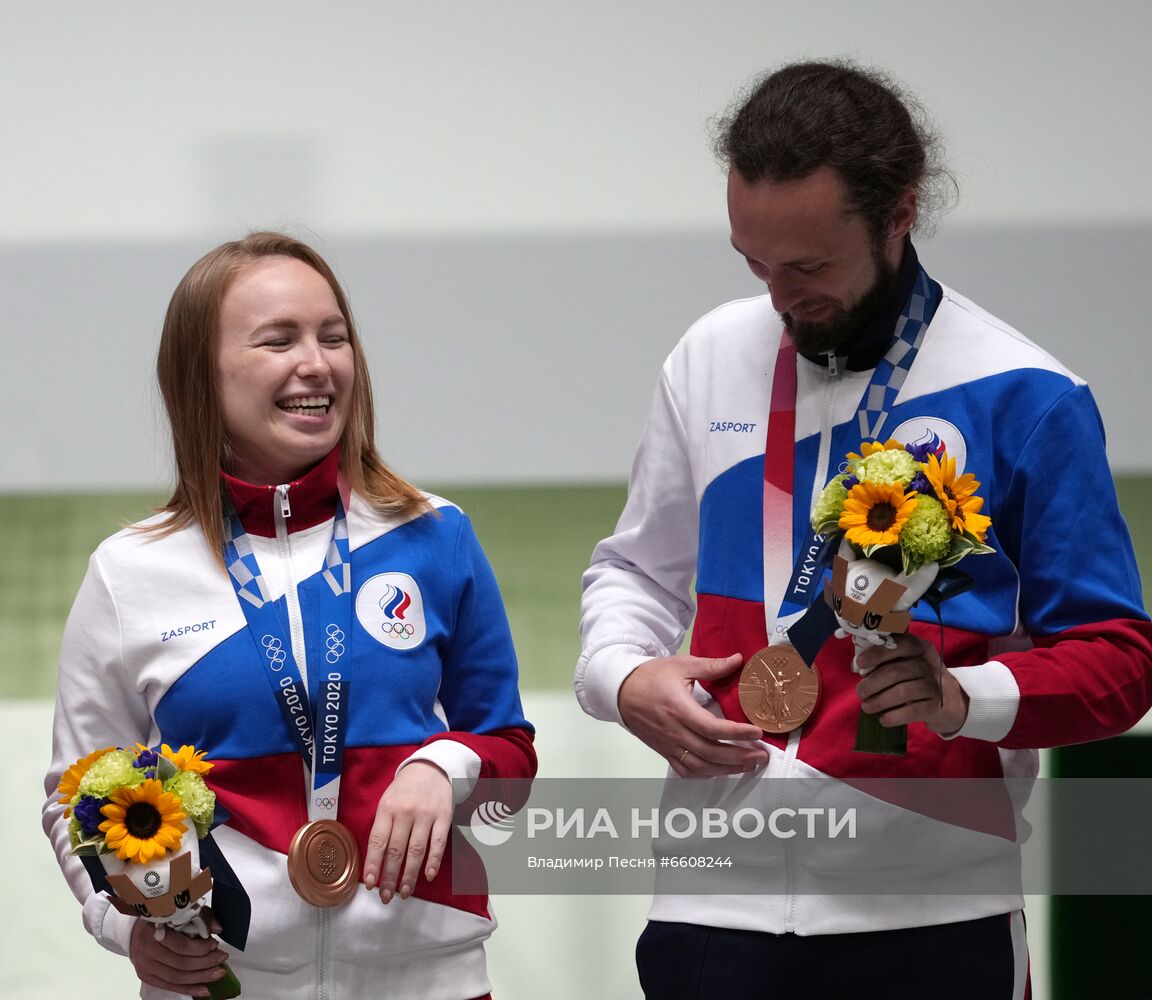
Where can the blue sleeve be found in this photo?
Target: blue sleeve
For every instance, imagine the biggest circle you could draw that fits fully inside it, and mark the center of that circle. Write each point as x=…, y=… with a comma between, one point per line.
x=478, y=689
x=1060, y=523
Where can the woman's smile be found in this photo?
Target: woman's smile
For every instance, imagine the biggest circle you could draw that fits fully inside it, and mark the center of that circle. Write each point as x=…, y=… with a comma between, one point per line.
x=286, y=370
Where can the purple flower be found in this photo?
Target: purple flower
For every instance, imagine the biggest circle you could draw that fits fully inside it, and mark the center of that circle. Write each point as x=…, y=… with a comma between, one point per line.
x=849, y=481
x=919, y=451
x=88, y=814
x=921, y=484
x=147, y=758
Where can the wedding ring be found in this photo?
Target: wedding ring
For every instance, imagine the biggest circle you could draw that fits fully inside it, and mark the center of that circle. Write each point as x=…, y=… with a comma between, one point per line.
x=683, y=753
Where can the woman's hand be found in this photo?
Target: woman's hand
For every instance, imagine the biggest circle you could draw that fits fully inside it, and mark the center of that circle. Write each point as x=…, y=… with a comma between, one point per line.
x=413, y=819
x=178, y=963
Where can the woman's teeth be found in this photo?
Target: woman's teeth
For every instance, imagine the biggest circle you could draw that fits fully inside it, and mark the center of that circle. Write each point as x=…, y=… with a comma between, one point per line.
x=308, y=404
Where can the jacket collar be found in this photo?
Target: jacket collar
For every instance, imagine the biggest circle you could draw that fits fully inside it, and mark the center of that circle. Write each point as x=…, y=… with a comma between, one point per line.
x=312, y=498
x=876, y=336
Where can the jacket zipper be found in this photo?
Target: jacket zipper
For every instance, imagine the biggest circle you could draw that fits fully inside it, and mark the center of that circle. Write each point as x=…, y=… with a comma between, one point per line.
x=322, y=954
x=280, y=514
x=823, y=458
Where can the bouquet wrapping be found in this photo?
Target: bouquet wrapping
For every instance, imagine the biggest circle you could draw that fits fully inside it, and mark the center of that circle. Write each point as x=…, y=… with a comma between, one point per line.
x=141, y=814
x=904, y=518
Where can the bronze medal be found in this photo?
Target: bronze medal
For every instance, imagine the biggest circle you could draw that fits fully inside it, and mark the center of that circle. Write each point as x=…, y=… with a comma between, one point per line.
x=778, y=690
x=324, y=863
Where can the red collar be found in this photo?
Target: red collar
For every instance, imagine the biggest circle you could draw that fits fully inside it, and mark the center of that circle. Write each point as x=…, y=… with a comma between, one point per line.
x=312, y=498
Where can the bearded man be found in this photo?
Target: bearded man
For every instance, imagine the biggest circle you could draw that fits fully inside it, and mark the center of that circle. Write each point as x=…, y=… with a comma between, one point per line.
x=830, y=168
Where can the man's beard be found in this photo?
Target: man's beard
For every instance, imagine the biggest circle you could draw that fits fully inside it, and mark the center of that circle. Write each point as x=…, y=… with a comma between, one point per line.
x=845, y=325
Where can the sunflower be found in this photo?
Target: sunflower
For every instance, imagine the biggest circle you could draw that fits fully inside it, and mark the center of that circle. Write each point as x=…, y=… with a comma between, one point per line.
x=958, y=496
x=871, y=447
x=874, y=513
x=144, y=822
x=187, y=758
x=70, y=779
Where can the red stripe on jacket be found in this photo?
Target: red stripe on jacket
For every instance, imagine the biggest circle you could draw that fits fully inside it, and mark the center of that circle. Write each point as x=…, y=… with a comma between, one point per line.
x=267, y=796
x=727, y=625
x=1086, y=683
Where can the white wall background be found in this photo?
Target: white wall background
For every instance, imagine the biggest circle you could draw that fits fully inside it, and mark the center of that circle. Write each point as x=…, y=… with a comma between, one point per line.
x=521, y=199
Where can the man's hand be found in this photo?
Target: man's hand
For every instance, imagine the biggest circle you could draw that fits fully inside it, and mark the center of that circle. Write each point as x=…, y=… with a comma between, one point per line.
x=413, y=819
x=904, y=685
x=178, y=963
x=656, y=703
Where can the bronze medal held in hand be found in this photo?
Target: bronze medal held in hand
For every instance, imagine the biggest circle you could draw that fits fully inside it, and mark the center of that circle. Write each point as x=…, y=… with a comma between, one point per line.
x=324, y=863
x=778, y=690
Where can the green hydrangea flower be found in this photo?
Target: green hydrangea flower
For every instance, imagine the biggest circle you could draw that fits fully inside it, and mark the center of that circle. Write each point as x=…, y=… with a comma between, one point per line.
x=198, y=799
x=887, y=467
x=830, y=504
x=927, y=534
x=113, y=770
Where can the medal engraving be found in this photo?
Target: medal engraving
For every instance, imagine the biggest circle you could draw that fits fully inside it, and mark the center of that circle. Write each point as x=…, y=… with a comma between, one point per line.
x=324, y=863
x=778, y=690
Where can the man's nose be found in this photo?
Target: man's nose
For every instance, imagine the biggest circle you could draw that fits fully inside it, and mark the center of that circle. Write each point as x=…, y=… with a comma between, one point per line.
x=785, y=292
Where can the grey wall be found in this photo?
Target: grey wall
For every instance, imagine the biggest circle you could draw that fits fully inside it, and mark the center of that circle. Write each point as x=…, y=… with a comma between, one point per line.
x=536, y=362
x=521, y=200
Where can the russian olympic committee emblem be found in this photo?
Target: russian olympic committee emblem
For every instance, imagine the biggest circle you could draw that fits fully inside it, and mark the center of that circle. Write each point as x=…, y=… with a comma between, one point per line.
x=391, y=609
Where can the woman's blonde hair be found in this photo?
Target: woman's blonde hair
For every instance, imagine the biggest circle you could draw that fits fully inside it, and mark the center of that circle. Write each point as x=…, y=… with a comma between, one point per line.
x=186, y=371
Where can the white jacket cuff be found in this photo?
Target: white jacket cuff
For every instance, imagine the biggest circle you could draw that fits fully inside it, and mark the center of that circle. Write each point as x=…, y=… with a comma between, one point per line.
x=598, y=684
x=107, y=924
x=993, y=700
x=460, y=763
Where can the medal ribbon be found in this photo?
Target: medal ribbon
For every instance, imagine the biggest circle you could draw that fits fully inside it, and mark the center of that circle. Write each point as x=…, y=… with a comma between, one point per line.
x=780, y=458
x=319, y=736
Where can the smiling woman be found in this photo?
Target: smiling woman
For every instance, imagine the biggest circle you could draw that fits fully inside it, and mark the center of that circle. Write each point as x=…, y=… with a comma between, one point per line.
x=286, y=370
x=347, y=622
x=238, y=309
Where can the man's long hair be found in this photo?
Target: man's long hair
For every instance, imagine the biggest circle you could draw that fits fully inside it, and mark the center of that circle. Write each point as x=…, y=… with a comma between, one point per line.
x=857, y=121
x=187, y=373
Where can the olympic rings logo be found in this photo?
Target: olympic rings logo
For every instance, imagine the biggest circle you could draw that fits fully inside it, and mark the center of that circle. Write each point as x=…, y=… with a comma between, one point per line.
x=334, y=642
x=325, y=803
x=274, y=650
x=401, y=630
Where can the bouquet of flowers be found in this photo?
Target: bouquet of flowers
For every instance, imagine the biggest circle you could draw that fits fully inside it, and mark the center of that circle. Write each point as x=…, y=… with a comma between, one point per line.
x=902, y=515
x=142, y=813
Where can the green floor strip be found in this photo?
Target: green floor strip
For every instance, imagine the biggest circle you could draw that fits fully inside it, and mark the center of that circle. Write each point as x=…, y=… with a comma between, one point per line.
x=539, y=540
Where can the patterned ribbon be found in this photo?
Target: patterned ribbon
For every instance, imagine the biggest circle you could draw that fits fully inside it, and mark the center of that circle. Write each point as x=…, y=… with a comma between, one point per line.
x=779, y=461
x=319, y=735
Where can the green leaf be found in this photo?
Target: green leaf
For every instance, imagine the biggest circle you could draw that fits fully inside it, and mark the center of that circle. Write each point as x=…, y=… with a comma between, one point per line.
x=911, y=564
x=90, y=845
x=226, y=988
x=871, y=737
